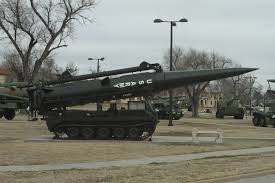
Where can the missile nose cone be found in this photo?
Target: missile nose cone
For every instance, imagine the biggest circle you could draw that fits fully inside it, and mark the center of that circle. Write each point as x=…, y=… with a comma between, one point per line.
x=179, y=78
x=239, y=71
x=231, y=72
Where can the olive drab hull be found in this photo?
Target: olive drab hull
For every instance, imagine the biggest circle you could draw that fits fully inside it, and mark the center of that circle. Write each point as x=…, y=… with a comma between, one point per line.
x=11, y=99
x=266, y=117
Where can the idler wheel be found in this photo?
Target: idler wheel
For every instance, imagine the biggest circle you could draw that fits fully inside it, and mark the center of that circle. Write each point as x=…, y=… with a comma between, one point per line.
x=9, y=114
x=72, y=132
x=58, y=133
x=119, y=133
x=150, y=130
x=134, y=133
x=87, y=132
x=103, y=133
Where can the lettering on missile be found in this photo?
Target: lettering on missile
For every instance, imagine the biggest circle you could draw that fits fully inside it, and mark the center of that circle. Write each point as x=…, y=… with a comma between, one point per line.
x=132, y=83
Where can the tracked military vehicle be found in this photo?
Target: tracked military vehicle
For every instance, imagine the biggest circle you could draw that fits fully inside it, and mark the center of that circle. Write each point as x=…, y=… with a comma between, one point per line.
x=229, y=108
x=52, y=99
x=136, y=122
x=12, y=99
x=265, y=118
x=162, y=107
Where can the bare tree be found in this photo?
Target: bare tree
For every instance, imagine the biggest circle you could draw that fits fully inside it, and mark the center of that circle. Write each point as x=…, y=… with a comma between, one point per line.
x=258, y=96
x=193, y=59
x=72, y=68
x=11, y=62
x=48, y=71
x=36, y=28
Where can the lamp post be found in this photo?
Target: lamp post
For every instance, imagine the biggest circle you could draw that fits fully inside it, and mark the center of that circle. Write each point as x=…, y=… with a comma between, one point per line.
x=98, y=105
x=251, y=82
x=172, y=24
x=98, y=59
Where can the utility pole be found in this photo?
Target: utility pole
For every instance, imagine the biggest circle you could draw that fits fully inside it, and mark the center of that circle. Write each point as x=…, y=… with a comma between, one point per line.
x=98, y=105
x=251, y=82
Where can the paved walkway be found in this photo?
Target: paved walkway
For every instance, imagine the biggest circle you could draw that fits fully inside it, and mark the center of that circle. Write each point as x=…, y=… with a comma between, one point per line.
x=155, y=139
x=136, y=162
x=261, y=179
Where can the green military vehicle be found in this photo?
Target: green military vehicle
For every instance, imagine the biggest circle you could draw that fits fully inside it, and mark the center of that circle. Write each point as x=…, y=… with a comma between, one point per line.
x=266, y=117
x=161, y=106
x=229, y=108
x=11, y=99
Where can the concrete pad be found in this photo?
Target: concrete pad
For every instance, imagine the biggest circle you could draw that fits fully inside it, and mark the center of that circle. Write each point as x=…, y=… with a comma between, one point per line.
x=181, y=140
x=155, y=139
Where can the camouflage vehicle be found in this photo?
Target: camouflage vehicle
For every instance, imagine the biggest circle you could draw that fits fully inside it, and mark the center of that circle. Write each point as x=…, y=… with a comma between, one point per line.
x=229, y=108
x=264, y=118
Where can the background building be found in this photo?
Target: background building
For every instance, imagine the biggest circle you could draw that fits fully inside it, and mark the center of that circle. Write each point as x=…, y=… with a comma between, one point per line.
x=4, y=73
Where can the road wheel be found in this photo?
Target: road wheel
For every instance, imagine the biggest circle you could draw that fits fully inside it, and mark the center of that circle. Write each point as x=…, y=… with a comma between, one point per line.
x=273, y=123
x=222, y=111
x=134, y=133
x=119, y=133
x=103, y=133
x=9, y=114
x=217, y=114
x=58, y=132
x=220, y=114
x=87, y=133
x=239, y=116
x=262, y=122
x=255, y=121
x=72, y=132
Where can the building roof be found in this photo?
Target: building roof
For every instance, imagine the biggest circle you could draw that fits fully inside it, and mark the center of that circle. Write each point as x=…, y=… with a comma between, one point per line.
x=4, y=72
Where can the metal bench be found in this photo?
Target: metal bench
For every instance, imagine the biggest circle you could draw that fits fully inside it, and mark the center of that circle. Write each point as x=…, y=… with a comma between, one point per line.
x=196, y=133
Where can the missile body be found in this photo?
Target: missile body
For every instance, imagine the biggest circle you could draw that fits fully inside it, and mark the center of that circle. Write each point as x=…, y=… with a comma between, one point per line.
x=131, y=85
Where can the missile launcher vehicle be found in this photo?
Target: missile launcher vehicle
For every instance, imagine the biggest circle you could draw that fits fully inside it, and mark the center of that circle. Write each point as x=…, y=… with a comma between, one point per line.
x=52, y=99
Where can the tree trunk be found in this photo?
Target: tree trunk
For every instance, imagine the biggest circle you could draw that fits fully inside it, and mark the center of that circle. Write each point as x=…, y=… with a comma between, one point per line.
x=26, y=71
x=36, y=68
x=195, y=106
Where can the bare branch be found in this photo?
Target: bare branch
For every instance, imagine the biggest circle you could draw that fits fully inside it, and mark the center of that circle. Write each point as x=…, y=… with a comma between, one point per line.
x=41, y=26
x=41, y=18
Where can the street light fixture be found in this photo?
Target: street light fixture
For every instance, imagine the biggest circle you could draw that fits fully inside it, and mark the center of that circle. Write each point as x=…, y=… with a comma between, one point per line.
x=172, y=24
x=98, y=59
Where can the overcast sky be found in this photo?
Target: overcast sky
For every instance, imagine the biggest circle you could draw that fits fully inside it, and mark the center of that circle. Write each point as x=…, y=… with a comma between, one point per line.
x=124, y=32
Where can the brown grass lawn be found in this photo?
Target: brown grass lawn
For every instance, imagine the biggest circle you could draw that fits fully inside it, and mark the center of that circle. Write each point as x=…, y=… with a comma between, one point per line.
x=204, y=170
x=16, y=150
